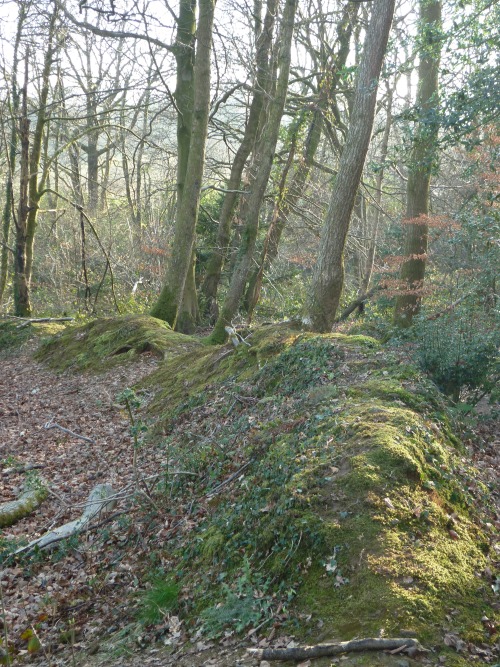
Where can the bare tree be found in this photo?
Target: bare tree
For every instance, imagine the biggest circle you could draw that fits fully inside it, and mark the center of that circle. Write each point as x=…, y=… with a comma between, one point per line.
x=175, y=304
x=422, y=161
x=32, y=182
x=328, y=276
x=11, y=151
x=259, y=176
x=329, y=61
x=261, y=88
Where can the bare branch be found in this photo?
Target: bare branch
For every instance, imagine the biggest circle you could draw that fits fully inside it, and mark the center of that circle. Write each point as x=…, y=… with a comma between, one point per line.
x=114, y=34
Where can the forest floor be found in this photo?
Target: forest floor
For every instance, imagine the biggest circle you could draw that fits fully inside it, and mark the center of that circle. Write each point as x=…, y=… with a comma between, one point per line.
x=78, y=601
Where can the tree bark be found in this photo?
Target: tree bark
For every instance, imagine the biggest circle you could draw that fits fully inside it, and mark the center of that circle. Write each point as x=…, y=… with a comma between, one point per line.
x=12, y=150
x=170, y=301
x=370, y=258
x=328, y=276
x=261, y=87
x=22, y=304
x=31, y=186
x=37, y=181
x=260, y=172
x=423, y=160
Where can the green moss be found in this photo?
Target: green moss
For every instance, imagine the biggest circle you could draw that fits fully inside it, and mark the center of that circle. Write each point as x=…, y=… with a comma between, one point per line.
x=13, y=336
x=108, y=341
x=366, y=342
x=326, y=447
x=346, y=462
x=211, y=543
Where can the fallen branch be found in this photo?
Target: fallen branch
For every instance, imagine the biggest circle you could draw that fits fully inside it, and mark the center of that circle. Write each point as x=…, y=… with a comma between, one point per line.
x=32, y=320
x=216, y=490
x=21, y=469
x=52, y=424
x=322, y=650
x=101, y=499
x=359, y=302
x=449, y=307
x=14, y=510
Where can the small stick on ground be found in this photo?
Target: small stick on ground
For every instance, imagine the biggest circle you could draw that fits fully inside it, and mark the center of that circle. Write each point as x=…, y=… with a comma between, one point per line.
x=52, y=424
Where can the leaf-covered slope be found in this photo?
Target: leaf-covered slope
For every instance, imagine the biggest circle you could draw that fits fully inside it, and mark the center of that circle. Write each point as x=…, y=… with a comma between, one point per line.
x=346, y=491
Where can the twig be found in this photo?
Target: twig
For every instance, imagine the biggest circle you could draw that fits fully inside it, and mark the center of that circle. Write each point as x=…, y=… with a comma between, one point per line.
x=229, y=479
x=52, y=424
x=26, y=468
x=321, y=650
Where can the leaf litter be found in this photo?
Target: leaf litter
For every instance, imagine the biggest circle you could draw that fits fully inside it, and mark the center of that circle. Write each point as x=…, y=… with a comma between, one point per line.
x=61, y=609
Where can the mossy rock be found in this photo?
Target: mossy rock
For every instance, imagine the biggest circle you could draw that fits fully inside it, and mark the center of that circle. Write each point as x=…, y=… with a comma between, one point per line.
x=106, y=342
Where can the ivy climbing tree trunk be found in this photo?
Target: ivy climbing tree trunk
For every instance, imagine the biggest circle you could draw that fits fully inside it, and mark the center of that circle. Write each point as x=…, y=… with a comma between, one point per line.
x=422, y=163
x=259, y=176
x=172, y=305
x=328, y=277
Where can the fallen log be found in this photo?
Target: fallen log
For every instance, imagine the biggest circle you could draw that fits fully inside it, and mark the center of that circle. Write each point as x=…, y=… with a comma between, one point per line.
x=12, y=511
x=326, y=650
x=36, y=320
x=101, y=499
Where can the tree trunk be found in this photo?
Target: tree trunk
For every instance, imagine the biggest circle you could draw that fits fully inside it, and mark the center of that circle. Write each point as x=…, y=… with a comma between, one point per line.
x=370, y=258
x=22, y=304
x=261, y=86
x=423, y=159
x=263, y=160
x=9, y=185
x=171, y=298
x=282, y=210
x=328, y=276
x=184, y=90
x=37, y=182
x=31, y=187
x=327, y=87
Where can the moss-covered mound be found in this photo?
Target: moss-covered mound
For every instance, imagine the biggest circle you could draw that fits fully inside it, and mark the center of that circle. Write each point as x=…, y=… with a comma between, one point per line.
x=325, y=487
x=105, y=342
x=15, y=334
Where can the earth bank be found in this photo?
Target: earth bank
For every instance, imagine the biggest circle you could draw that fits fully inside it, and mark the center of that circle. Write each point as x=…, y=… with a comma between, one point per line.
x=310, y=485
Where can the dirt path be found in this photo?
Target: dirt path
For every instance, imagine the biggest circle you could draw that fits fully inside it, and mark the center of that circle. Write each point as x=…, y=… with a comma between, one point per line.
x=53, y=598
